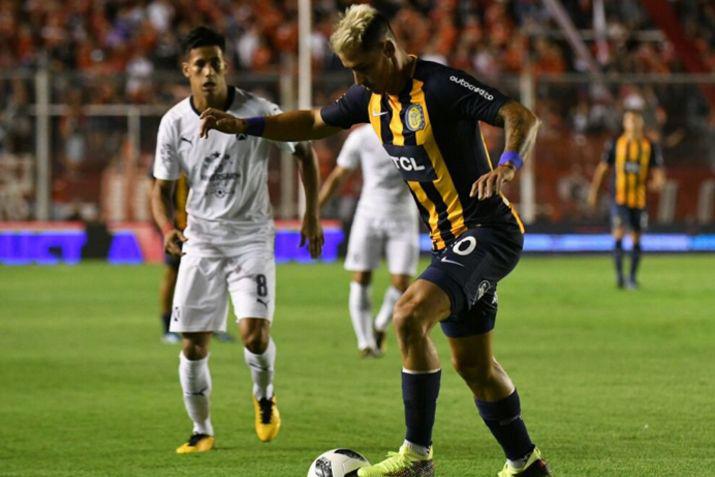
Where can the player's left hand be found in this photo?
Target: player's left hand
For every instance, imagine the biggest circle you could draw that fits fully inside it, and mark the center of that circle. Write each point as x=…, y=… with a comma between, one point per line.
x=213, y=118
x=491, y=183
x=312, y=233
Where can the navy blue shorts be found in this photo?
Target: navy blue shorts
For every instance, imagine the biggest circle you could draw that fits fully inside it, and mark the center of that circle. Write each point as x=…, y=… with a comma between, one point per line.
x=468, y=271
x=634, y=218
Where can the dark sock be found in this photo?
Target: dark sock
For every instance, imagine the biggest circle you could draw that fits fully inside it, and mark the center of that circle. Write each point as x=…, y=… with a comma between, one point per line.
x=635, y=260
x=419, y=393
x=166, y=320
x=503, y=418
x=618, y=258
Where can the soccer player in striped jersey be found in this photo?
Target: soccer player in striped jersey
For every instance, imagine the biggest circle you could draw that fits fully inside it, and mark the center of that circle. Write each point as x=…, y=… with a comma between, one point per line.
x=633, y=158
x=426, y=116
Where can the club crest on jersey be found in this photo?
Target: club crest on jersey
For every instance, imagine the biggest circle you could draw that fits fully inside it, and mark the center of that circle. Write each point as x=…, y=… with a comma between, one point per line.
x=166, y=154
x=415, y=117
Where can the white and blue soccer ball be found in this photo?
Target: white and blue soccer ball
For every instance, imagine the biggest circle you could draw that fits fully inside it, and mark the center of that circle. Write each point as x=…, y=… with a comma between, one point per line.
x=337, y=463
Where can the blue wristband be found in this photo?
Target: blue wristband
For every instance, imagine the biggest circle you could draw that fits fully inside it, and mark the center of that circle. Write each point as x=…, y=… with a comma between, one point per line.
x=255, y=126
x=511, y=158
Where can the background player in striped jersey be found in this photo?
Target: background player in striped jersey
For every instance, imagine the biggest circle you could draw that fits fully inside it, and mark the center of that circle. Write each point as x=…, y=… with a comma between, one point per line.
x=228, y=243
x=633, y=157
x=427, y=118
x=385, y=222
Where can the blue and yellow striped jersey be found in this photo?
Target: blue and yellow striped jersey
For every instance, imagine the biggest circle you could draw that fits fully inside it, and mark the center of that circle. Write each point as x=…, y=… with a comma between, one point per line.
x=632, y=160
x=431, y=132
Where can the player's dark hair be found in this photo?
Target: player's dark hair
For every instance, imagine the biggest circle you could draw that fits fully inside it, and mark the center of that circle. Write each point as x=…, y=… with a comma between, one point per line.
x=202, y=36
x=375, y=32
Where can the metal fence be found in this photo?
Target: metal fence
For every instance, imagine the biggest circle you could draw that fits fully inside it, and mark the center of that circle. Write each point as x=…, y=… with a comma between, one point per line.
x=75, y=147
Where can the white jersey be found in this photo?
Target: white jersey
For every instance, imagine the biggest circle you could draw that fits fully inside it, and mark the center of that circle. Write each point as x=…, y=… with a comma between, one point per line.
x=228, y=205
x=384, y=194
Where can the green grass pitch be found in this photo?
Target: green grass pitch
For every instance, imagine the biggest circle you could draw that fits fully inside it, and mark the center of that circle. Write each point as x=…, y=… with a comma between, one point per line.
x=613, y=383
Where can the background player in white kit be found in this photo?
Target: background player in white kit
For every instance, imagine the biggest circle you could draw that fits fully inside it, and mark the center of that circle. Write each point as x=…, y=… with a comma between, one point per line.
x=386, y=220
x=228, y=242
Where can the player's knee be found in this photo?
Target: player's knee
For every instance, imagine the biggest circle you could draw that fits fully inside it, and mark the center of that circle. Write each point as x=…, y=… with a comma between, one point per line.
x=476, y=373
x=194, y=350
x=255, y=340
x=401, y=282
x=363, y=278
x=407, y=317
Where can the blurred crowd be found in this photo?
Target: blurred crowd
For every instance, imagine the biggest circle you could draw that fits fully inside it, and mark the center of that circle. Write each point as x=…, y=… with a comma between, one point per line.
x=489, y=37
x=127, y=51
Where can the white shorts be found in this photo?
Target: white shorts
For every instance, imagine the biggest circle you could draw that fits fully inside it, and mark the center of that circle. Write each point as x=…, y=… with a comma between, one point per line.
x=397, y=238
x=204, y=285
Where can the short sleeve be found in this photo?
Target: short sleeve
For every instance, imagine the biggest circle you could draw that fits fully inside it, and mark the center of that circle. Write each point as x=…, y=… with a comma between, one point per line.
x=350, y=109
x=271, y=110
x=656, y=155
x=349, y=157
x=609, y=153
x=467, y=98
x=166, y=159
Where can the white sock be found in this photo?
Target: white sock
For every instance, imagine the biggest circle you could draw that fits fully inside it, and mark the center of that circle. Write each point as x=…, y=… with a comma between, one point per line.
x=518, y=464
x=384, y=316
x=361, y=314
x=262, y=368
x=196, y=384
x=416, y=448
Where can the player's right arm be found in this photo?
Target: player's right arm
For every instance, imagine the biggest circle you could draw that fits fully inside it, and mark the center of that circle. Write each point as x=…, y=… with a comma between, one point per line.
x=598, y=175
x=349, y=109
x=658, y=177
x=335, y=179
x=167, y=173
x=348, y=160
x=289, y=126
x=601, y=171
x=162, y=207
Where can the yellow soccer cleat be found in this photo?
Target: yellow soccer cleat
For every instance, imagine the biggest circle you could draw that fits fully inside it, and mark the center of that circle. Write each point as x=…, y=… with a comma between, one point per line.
x=404, y=463
x=197, y=443
x=535, y=466
x=268, y=419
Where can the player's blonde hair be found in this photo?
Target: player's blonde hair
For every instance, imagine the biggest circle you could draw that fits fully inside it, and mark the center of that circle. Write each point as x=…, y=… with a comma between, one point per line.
x=360, y=28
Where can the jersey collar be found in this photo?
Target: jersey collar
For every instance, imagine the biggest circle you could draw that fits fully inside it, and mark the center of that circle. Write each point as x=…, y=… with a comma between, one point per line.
x=229, y=100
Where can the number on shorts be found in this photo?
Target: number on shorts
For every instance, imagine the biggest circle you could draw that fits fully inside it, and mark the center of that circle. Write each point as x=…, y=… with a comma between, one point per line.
x=261, y=285
x=460, y=249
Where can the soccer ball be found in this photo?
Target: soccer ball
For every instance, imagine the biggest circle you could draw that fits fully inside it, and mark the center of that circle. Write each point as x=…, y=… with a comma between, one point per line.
x=337, y=463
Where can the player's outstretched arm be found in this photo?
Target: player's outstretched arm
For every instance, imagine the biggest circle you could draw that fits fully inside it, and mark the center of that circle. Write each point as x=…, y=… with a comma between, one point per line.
x=162, y=208
x=310, y=231
x=334, y=180
x=290, y=126
x=598, y=175
x=520, y=127
x=658, y=180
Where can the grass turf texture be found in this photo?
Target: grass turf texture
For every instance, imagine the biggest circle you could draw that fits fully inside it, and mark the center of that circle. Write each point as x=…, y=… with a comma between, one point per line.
x=613, y=383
